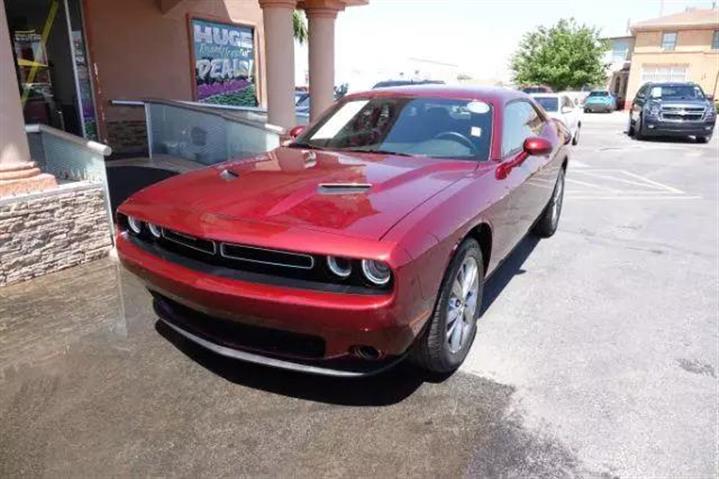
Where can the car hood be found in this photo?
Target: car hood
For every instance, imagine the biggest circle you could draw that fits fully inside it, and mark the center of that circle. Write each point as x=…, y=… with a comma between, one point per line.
x=304, y=188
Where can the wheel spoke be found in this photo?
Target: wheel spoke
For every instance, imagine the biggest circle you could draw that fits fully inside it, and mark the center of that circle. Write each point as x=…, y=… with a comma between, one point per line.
x=468, y=279
x=470, y=308
x=457, y=289
x=456, y=337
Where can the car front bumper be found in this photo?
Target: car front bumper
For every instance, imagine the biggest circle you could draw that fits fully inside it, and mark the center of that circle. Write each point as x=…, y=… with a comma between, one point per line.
x=656, y=127
x=268, y=324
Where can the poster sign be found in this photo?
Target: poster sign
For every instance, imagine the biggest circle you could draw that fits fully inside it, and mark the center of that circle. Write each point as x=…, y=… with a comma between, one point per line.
x=224, y=57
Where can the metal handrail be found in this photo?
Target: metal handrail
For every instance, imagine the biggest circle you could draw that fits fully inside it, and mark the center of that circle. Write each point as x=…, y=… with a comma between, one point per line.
x=99, y=148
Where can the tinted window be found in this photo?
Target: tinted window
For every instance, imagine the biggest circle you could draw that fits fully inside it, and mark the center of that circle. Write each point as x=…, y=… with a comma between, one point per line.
x=548, y=103
x=520, y=122
x=434, y=127
x=715, y=40
x=599, y=93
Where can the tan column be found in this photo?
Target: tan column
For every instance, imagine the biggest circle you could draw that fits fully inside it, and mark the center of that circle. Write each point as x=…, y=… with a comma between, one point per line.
x=280, y=61
x=321, y=26
x=17, y=173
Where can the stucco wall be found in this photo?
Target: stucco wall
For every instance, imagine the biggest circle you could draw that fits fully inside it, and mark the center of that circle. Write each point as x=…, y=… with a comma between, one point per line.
x=141, y=52
x=52, y=230
x=693, y=49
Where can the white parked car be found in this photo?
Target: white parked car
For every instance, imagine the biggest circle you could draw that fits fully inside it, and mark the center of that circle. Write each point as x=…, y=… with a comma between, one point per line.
x=562, y=107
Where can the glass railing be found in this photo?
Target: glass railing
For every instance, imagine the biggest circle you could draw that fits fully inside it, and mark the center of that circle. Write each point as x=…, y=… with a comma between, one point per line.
x=206, y=134
x=70, y=158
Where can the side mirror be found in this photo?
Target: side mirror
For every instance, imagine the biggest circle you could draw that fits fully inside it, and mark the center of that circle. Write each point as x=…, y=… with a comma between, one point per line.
x=710, y=98
x=296, y=131
x=536, y=146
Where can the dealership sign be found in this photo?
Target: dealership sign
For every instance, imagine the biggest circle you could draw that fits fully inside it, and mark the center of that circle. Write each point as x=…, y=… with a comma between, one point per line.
x=224, y=56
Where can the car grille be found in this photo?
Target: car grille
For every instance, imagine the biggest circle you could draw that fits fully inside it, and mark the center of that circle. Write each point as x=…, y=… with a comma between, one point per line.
x=236, y=253
x=682, y=113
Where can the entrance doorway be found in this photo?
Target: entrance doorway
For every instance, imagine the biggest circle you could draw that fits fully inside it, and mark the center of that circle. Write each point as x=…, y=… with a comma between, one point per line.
x=51, y=64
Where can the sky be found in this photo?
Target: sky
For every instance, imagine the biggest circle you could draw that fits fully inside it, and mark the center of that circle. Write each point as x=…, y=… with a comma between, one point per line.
x=376, y=41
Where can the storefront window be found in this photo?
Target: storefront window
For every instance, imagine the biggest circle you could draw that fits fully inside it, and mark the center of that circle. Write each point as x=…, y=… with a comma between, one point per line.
x=53, y=78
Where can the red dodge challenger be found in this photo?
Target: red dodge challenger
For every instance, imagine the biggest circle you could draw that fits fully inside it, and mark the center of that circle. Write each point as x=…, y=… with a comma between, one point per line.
x=365, y=240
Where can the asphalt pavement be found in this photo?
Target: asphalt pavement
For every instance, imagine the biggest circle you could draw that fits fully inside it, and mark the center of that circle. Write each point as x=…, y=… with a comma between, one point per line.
x=596, y=356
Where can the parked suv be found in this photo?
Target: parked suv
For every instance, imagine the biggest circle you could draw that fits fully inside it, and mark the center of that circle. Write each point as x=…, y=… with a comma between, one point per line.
x=672, y=109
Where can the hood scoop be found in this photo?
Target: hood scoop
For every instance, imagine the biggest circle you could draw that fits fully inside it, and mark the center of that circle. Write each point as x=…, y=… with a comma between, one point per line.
x=228, y=175
x=343, y=188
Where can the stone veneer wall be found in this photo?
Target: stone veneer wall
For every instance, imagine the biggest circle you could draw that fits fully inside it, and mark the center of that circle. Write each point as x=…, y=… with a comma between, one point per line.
x=127, y=137
x=52, y=230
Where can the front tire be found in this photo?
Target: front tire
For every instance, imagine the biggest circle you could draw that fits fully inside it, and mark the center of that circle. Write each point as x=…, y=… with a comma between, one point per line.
x=446, y=341
x=547, y=223
x=639, y=129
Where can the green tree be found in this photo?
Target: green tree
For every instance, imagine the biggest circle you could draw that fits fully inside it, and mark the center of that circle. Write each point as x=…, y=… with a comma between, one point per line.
x=564, y=56
x=299, y=26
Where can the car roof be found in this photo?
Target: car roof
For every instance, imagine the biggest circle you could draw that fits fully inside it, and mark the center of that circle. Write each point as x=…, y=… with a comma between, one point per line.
x=497, y=95
x=547, y=95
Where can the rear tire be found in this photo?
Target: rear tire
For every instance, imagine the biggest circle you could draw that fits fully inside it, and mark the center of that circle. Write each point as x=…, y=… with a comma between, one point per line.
x=447, y=339
x=547, y=223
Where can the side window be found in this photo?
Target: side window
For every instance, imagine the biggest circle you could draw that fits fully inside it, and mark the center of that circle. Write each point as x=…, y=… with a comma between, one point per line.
x=567, y=102
x=521, y=121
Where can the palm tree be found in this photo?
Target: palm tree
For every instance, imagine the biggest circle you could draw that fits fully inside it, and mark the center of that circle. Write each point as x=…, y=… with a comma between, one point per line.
x=299, y=26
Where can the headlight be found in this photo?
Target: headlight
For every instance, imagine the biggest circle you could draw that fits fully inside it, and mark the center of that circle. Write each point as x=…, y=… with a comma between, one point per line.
x=654, y=110
x=376, y=271
x=134, y=224
x=154, y=230
x=342, y=267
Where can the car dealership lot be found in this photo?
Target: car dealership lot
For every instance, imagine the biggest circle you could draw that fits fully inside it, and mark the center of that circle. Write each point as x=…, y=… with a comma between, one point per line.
x=596, y=357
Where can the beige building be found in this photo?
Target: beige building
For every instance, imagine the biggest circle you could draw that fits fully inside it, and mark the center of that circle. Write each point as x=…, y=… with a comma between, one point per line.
x=679, y=47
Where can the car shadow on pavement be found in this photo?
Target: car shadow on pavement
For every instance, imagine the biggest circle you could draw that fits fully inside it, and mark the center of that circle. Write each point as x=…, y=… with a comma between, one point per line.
x=511, y=267
x=386, y=388
x=383, y=389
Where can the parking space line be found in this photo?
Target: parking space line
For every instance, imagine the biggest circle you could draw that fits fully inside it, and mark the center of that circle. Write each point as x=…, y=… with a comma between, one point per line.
x=660, y=185
x=634, y=183
x=621, y=197
x=591, y=185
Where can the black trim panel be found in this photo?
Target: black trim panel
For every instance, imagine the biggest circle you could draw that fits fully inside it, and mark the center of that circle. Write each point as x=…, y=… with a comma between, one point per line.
x=252, y=277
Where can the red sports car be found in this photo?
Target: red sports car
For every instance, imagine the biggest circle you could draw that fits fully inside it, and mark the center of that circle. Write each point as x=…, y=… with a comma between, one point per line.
x=364, y=241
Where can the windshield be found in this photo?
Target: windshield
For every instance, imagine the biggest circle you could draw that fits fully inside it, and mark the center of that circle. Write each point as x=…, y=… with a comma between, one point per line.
x=599, y=93
x=548, y=103
x=678, y=92
x=407, y=126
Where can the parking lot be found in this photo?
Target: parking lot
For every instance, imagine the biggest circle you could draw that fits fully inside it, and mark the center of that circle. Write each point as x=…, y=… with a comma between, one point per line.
x=596, y=356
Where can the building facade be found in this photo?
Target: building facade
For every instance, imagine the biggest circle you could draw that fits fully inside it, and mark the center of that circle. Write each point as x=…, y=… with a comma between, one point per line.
x=619, y=58
x=679, y=47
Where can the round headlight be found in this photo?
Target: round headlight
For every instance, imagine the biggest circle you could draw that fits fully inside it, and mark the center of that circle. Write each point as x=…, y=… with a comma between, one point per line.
x=154, y=230
x=134, y=224
x=376, y=271
x=342, y=267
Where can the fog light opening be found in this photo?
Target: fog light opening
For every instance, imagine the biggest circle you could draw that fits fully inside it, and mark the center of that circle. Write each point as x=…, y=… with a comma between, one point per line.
x=366, y=352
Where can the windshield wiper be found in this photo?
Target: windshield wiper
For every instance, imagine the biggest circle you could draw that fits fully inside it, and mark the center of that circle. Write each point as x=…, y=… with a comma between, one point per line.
x=380, y=152
x=306, y=146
